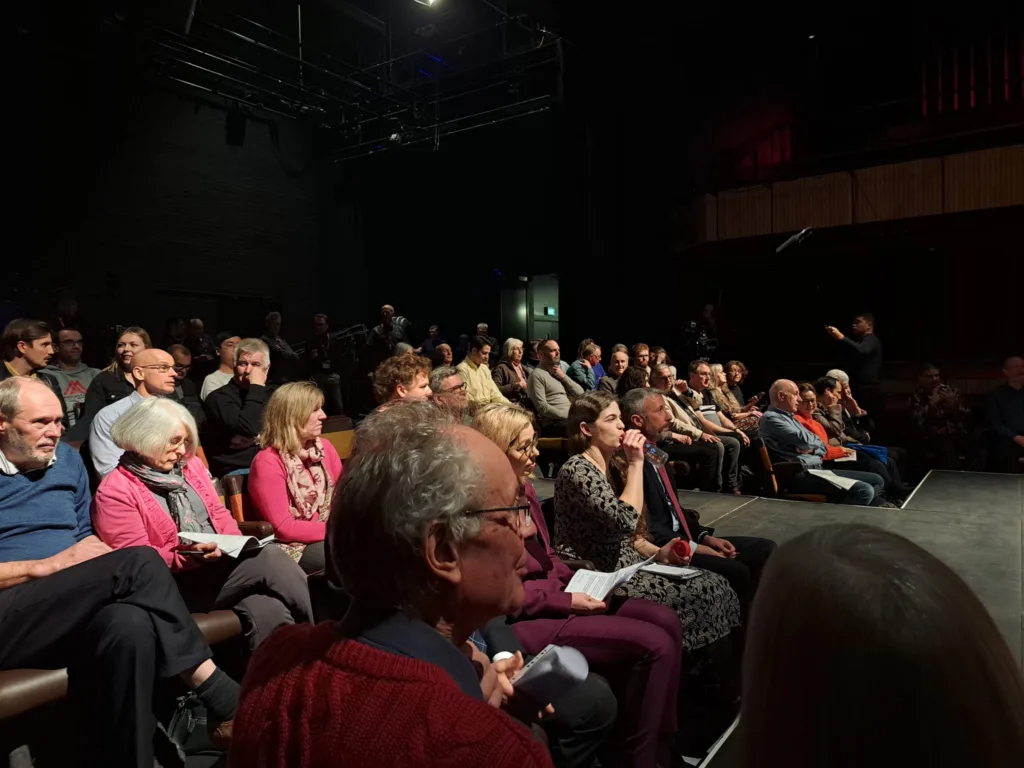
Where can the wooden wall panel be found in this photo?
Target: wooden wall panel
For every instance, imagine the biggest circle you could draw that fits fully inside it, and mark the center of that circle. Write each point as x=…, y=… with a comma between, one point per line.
x=990, y=178
x=815, y=201
x=898, y=191
x=745, y=212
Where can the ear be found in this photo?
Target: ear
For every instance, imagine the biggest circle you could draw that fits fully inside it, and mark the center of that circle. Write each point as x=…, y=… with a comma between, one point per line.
x=585, y=429
x=401, y=390
x=441, y=555
x=636, y=420
x=22, y=346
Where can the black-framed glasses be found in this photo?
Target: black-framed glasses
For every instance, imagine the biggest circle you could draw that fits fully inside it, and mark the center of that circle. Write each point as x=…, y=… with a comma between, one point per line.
x=457, y=388
x=521, y=511
x=182, y=369
x=530, y=447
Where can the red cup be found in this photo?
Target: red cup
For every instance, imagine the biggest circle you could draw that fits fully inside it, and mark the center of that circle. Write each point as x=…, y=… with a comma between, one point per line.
x=682, y=549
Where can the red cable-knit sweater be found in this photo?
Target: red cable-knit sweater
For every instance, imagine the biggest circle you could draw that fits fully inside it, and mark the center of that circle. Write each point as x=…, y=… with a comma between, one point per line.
x=831, y=451
x=312, y=699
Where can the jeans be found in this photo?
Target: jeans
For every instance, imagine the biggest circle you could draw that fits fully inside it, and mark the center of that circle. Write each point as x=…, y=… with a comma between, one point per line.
x=866, y=492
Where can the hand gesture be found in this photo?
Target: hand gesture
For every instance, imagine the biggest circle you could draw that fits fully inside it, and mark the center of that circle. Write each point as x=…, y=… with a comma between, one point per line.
x=213, y=552
x=633, y=445
x=722, y=547
x=704, y=549
x=667, y=555
x=707, y=437
x=849, y=452
x=583, y=604
x=258, y=376
x=557, y=372
x=681, y=385
x=834, y=332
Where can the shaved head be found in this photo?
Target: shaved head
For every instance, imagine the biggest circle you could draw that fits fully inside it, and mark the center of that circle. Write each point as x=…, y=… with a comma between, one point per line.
x=149, y=378
x=785, y=395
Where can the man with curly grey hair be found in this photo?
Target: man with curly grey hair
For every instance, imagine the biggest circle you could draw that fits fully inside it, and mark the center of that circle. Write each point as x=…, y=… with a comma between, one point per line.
x=425, y=535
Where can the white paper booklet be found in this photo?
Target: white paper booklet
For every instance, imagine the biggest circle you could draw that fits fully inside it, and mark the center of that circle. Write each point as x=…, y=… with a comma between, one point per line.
x=839, y=482
x=851, y=457
x=598, y=584
x=680, y=572
x=551, y=673
x=230, y=545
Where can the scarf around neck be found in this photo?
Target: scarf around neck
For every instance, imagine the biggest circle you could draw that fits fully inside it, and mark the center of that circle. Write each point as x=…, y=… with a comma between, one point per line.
x=171, y=484
x=309, y=484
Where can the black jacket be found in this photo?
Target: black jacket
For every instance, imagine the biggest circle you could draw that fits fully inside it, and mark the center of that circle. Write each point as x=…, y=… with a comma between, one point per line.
x=660, y=512
x=52, y=383
x=187, y=393
x=105, y=389
x=234, y=417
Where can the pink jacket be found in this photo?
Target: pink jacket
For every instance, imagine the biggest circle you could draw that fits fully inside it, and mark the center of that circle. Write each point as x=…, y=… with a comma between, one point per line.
x=268, y=490
x=126, y=514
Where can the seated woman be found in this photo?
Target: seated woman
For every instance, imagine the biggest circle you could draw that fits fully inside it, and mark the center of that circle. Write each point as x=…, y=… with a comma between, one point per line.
x=805, y=411
x=115, y=381
x=660, y=357
x=643, y=637
x=856, y=630
x=745, y=417
x=292, y=480
x=510, y=375
x=632, y=378
x=161, y=489
x=608, y=528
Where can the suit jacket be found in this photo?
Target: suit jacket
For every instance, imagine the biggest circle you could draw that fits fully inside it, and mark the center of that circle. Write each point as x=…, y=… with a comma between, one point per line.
x=659, y=511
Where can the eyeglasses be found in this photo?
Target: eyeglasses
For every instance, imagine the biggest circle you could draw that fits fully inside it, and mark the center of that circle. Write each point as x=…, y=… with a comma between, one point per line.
x=520, y=512
x=182, y=368
x=530, y=447
x=456, y=388
x=160, y=367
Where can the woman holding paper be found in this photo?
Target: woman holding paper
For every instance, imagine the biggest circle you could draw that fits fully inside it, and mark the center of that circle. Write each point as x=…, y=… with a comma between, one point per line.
x=643, y=637
x=596, y=523
x=292, y=480
x=159, y=490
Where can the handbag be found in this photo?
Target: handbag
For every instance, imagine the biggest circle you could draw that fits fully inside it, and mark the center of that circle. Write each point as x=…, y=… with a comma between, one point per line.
x=877, y=451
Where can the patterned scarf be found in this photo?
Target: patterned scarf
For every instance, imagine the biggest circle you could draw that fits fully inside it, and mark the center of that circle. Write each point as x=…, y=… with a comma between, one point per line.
x=170, y=484
x=309, y=484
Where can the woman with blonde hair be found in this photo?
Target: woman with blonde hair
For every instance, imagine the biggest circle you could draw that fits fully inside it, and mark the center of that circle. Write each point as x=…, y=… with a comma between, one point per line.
x=745, y=417
x=293, y=478
x=115, y=381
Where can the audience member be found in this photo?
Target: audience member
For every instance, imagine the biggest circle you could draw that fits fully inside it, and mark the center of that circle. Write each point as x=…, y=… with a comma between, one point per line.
x=584, y=370
x=1005, y=410
x=234, y=412
x=854, y=417
x=115, y=381
x=292, y=479
x=634, y=377
x=642, y=357
x=27, y=348
x=480, y=385
x=698, y=392
x=482, y=329
x=805, y=413
x=380, y=342
x=607, y=526
x=425, y=534
x=660, y=356
x=740, y=558
x=153, y=374
x=717, y=457
x=788, y=440
x=431, y=343
x=161, y=489
x=185, y=390
x=402, y=378
x=644, y=637
x=865, y=360
x=200, y=343
x=73, y=377
x=856, y=631
x=598, y=369
x=744, y=417
x=324, y=364
x=735, y=373
x=174, y=332
x=449, y=392
x=442, y=356
x=510, y=375
x=284, y=361
x=114, y=619
x=401, y=348
x=551, y=390
x=532, y=359
x=226, y=342
x=942, y=421
x=616, y=367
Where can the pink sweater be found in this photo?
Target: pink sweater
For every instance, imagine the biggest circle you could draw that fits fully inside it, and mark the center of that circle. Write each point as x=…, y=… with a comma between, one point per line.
x=126, y=514
x=269, y=492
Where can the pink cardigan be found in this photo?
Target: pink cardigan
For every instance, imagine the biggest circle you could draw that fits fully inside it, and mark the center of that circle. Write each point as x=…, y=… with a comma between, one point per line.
x=126, y=514
x=269, y=493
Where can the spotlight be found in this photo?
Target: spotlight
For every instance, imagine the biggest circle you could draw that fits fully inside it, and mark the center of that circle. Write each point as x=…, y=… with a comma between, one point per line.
x=810, y=37
x=425, y=2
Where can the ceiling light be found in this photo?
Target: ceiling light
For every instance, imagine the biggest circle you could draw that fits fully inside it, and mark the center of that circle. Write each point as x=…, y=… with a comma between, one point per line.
x=425, y=2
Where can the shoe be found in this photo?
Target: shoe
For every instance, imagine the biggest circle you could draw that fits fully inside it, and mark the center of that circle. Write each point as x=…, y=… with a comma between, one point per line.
x=220, y=735
x=889, y=505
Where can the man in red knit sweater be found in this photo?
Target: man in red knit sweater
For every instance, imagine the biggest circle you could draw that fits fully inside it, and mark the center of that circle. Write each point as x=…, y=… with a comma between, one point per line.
x=425, y=536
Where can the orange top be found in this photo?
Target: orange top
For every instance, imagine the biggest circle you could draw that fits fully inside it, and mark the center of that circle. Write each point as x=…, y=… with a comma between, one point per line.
x=832, y=451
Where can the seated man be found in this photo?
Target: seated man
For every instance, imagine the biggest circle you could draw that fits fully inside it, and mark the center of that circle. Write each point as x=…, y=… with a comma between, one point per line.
x=642, y=356
x=403, y=377
x=234, y=413
x=72, y=375
x=114, y=619
x=739, y=559
x=185, y=390
x=449, y=392
x=474, y=370
x=226, y=343
x=695, y=439
x=425, y=537
x=550, y=390
x=584, y=370
x=618, y=365
x=153, y=374
x=788, y=440
x=1005, y=410
x=27, y=348
x=942, y=420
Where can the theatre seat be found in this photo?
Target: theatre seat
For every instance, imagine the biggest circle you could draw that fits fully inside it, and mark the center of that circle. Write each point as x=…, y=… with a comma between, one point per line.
x=776, y=471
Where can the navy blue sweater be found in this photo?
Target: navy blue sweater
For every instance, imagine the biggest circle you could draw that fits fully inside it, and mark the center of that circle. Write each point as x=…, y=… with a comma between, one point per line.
x=46, y=511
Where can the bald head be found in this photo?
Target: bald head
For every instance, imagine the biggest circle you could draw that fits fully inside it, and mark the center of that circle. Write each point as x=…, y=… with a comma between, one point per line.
x=30, y=422
x=153, y=372
x=785, y=395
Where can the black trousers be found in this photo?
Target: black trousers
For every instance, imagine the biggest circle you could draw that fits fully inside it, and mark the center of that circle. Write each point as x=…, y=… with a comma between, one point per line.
x=118, y=623
x=742, y=572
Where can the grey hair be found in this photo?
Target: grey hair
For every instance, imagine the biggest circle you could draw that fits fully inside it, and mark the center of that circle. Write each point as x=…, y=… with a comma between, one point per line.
x=509, y=345
x=406, y=477
x=841, y=376
x=633, y=402
x=251, y=347
x=438, y=375
x=401, y=348
x=147, y=427
x=10, y=394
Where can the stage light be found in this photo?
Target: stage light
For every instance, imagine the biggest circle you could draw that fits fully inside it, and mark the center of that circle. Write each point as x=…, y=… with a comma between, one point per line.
x=425, y=2
x=810, y=37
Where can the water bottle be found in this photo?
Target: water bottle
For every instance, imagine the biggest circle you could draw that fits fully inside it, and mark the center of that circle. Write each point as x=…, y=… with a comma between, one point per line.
x=654, y=454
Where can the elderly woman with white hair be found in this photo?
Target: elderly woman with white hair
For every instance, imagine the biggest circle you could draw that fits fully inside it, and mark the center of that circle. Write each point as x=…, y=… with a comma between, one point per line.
x=510, y=375
x=160, y=489
x=852, y=412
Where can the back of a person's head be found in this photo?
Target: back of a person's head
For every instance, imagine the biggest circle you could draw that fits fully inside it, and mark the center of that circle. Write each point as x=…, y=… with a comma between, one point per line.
x=402, y=369
x=634, y=377
x=866, y=650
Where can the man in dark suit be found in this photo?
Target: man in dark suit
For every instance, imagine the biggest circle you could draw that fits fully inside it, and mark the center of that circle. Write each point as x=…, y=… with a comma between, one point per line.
x=740, y=559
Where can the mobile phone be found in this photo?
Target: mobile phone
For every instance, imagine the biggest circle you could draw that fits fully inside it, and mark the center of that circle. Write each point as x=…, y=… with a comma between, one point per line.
x=190, y=552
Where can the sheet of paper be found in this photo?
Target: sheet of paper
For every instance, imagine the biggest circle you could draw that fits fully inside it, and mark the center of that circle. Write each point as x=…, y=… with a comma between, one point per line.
x=852, y=457
x=839, y=482
x=598, y=584
x=679, y=572
x=230, y=545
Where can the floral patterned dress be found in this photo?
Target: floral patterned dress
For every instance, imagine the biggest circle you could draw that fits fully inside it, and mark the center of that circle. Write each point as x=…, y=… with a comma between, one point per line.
x=593, y=523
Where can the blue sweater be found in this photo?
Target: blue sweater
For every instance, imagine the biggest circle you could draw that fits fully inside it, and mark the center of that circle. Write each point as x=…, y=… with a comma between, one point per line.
x=44, y=512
